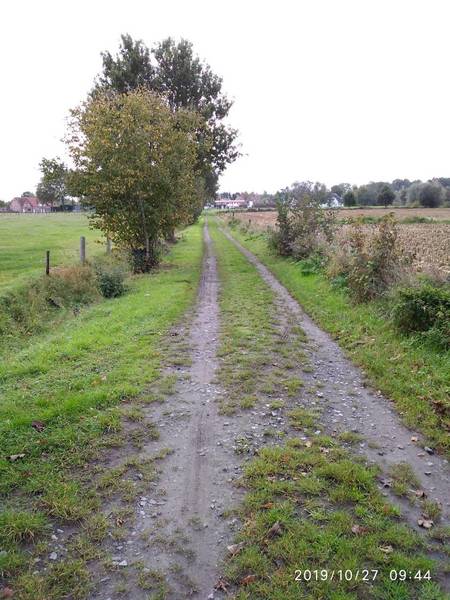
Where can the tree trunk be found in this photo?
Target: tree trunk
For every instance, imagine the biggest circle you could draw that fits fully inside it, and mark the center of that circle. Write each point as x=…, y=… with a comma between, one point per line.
x=144, y=228
x=171, y=236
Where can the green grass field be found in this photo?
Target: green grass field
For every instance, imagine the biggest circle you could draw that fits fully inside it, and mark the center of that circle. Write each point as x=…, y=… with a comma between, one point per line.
x=24, y=240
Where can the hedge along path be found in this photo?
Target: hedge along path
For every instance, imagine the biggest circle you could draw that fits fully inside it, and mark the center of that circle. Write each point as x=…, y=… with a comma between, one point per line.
x=349, y=406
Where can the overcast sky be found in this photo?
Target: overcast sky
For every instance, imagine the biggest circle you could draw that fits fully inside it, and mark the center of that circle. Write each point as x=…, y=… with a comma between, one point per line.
x=347, y=90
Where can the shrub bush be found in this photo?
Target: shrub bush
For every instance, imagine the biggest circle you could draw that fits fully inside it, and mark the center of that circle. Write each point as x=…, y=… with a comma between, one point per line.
x=281, y=238
x=143, y=264
x=27, y=309
x=314, y=264
x=68, y=287
x=111, y=273
x=425, y=310
x=369, y=263
x=303, y=228
x=23, y=310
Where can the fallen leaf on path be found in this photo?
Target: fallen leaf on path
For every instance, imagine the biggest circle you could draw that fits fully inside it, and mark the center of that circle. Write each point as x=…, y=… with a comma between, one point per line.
x=222, y=585
x=386, y=549
x=358, y=529
x=425, y=523
x=420, y=493
x=235, y=548
x=247, y=580
x=14, y=457
x=38, y=425
x=276, y=529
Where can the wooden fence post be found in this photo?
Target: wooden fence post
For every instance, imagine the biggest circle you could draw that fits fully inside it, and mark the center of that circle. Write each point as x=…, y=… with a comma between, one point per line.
x=82, y=249
x=47, y=262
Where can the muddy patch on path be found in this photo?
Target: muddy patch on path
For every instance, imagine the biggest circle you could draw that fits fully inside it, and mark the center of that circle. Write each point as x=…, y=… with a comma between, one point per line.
x=354, y=411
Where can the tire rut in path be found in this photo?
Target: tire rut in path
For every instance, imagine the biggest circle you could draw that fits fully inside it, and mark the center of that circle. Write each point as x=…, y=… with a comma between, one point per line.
x=180, y=530
x=350, y=406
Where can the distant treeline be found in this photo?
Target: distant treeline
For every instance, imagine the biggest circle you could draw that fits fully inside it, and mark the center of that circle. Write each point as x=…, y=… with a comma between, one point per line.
x=400, y=192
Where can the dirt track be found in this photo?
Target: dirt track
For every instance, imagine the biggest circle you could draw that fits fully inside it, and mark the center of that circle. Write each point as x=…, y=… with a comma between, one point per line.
x=183, y=523
x=350, y=406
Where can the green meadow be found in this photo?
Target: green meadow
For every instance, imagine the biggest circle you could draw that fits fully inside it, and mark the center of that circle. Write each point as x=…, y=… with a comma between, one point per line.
x=24, y=239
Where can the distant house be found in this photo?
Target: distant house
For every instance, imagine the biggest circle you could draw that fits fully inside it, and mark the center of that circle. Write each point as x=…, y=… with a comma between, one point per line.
x=28, y=204
x=228, y=203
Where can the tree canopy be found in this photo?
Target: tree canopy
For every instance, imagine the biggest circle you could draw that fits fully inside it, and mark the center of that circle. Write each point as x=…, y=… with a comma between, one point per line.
x=130, y=69
x=136, y=167
x=174, y=71
x=52, y=188
x=429, y=194
x=386, y=196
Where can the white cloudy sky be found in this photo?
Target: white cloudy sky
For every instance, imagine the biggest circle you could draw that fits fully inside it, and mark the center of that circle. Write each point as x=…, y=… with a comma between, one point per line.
x=348, y=90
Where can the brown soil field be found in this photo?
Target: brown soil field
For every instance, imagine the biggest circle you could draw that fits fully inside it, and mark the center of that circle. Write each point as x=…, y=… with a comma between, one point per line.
x=267, y=218
x=428, y=242
x=439, y=214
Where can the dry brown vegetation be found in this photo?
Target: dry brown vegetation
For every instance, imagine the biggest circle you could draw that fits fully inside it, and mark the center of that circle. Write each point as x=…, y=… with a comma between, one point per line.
x=439, y=214
x=429, y=243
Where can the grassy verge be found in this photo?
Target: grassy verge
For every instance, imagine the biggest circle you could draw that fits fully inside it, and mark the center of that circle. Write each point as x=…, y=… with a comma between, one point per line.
x=315, y=527
x=416, y=377
x=244, y=332
x=64, y=398
x=251, y=339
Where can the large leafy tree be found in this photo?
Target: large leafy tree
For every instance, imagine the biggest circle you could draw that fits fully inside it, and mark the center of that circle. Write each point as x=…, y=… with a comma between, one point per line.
x=426, y=194
x=349, y=198
x=130, y=69
x=136, y=167
x=174, y=71
x=53, y=186
x=386, y=196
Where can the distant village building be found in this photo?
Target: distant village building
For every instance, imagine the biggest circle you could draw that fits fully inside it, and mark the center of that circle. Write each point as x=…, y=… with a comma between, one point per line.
x=28, y=204
x=229, y=203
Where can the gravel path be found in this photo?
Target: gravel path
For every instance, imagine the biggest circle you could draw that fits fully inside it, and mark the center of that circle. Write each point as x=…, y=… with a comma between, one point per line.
x=181, y=531
x=184, y=524
x=350, y=406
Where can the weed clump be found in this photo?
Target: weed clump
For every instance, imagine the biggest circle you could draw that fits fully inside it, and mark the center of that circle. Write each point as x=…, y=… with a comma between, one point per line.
x=110, y=275
x=27, y=309
x=424, y=310
x=304, y=227
x=369, y=264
